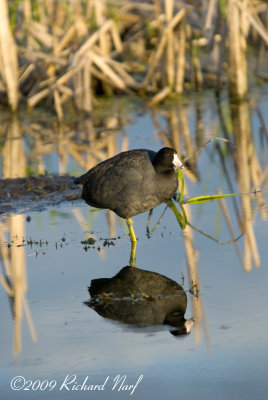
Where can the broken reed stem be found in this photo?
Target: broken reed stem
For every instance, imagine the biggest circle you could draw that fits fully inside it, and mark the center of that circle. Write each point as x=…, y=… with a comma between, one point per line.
x=8, y=57
x=159, y=97
x=155, y=58
x=204, y=145
x=149, y=232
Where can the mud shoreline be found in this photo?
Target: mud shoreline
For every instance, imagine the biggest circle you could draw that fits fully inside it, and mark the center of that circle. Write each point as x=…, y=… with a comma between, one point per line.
x=36, y=193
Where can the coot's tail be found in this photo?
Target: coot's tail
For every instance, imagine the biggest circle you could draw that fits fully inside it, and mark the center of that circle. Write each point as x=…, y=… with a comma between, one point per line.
x=80, y=180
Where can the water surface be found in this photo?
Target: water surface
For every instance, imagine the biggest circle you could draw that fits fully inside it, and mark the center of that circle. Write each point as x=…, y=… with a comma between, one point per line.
x=48, y=333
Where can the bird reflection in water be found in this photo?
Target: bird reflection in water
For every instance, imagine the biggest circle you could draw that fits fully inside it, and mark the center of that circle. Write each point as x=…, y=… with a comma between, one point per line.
x=141, y=298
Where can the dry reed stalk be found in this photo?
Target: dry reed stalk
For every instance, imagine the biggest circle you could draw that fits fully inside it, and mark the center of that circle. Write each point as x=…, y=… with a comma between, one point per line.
x=99, y=75
x=180, y=57
x=104, y=40
x=92, y=40
x=33, y=55
x=58, y=106
x=26, y=73
x=157, y=54
x=63, y=154
x=32, y=101
x=115, y=79
x=41, y=34
x=120, y=69
x=185, y=130
x=47, y=82
x=197, y=73
x=50, y=42
x=77, y=12
x=221, y=56
x=87, y=90
x=8, y=57
x=173, y=124
x=14, y=159
x=159, y=97
x=78, y=88
x=116, y=39
x=169, y=5
x=99, y=57
x=27, y=14
x=237, y=51
x=209, y=26
x=27, y=11
x=65, y=91
x=65, y=40
x=253, y=18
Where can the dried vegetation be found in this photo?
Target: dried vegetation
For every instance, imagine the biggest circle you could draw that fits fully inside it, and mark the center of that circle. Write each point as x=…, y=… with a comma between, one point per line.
x=56, y=52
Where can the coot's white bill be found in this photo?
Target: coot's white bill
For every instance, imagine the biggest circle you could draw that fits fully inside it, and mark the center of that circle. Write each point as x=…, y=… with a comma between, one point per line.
x=177, y=162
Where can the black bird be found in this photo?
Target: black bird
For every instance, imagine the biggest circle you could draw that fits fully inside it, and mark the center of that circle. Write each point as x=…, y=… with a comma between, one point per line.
x=132, y=182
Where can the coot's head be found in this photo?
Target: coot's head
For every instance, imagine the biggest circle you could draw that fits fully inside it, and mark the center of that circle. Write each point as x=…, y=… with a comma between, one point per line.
x=167, y=159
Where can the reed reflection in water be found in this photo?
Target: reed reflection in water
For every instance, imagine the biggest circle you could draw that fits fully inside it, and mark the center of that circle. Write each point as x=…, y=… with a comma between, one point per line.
x=14, y=275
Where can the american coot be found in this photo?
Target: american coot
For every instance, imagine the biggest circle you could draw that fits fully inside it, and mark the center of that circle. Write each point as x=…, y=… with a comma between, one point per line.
x=132, y=182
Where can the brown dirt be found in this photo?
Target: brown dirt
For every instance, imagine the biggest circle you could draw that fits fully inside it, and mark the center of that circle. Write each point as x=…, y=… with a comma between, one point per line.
x=36, y=192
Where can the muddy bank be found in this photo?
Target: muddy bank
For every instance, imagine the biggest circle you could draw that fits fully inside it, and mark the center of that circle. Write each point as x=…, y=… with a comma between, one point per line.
x=36, y=192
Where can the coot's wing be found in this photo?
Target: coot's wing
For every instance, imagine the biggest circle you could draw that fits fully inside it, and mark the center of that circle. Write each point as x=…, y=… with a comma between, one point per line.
x=115, y=179
x=113, y=184
x=138, y=159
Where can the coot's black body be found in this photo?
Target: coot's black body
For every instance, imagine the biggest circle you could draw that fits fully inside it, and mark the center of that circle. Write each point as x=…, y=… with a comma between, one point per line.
x=132, y=182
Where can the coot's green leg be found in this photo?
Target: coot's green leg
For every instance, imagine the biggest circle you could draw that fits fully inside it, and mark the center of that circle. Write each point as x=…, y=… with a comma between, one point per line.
x=132, y=260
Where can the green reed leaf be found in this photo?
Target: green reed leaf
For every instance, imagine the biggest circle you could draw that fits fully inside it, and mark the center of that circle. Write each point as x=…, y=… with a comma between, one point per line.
x=203, y=199
x=181, y=218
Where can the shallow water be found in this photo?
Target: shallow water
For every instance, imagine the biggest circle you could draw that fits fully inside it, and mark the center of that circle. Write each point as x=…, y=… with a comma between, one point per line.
x=53, y=337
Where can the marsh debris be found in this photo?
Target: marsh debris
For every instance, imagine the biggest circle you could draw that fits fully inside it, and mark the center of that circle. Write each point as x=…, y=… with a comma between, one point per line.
x=36, y=193
x=89, y=241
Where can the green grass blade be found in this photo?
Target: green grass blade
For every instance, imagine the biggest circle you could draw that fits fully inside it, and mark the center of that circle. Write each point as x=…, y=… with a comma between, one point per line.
x=203, y=199
x=179, y=197
x=182, y=219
